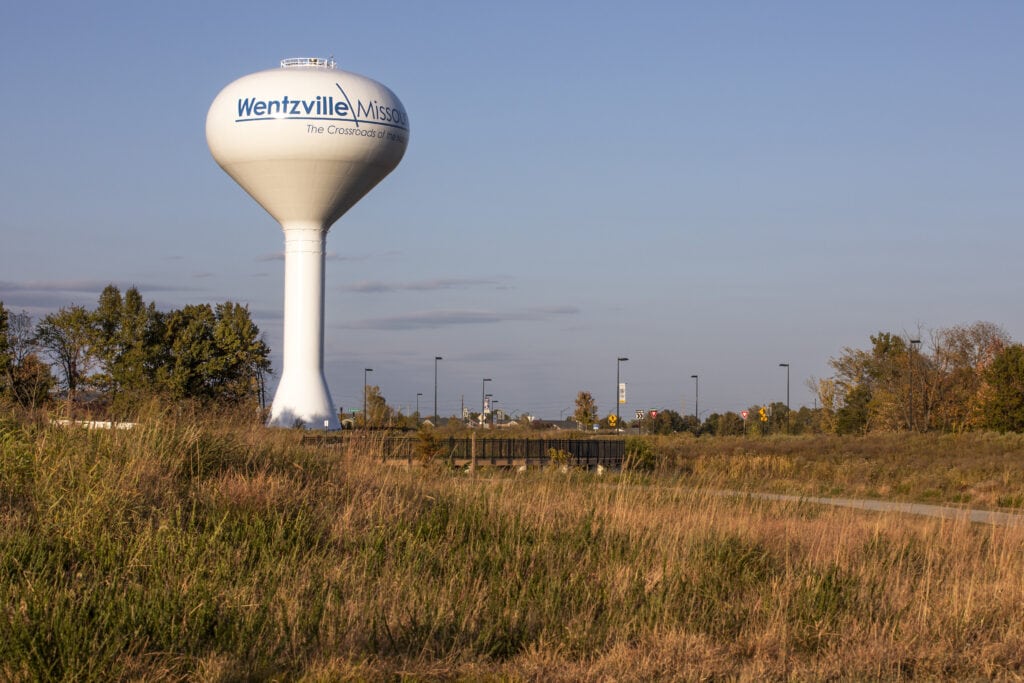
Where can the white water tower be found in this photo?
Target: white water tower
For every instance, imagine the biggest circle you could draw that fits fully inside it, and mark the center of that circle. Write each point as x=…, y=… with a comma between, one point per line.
x=306, y=141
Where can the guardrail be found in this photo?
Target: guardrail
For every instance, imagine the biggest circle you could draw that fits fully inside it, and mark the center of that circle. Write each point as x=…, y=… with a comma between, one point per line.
x=497, y=452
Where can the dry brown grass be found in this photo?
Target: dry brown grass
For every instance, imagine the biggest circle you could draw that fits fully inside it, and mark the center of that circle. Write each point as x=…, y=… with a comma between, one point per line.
x=982, y=470
x=187, y=551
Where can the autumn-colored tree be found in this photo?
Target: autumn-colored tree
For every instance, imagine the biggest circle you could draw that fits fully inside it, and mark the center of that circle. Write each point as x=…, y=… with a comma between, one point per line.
x=961, y=356
x=899, y=385
x=378, y=412
x=30, y=382
x=586, y=409
x=24, y=377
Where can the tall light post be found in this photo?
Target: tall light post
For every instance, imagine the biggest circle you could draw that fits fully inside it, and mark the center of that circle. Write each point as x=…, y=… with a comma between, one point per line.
x=436, y=358
x=910, y=362
x=618, y=383
x=483, y=397
x=786, y=365
x=366, y=419
x=696, y=397
x=418, y=394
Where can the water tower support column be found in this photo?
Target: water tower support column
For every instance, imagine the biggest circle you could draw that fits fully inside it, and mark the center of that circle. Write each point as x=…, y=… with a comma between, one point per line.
x=302, y=393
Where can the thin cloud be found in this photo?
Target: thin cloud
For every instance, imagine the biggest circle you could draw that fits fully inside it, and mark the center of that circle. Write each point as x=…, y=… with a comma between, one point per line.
x=556, y=310
x=446, y=318
x=426, y=320
x=331, y=256
x=40, y=296
x=85, y=286
x=54, y=286
x=437, y=284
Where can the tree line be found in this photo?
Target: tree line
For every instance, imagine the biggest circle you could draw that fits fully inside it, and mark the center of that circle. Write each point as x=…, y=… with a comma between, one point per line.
x=966, y=377
x=124, y=351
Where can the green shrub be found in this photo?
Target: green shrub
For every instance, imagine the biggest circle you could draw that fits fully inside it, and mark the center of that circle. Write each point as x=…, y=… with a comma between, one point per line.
x=640, y=454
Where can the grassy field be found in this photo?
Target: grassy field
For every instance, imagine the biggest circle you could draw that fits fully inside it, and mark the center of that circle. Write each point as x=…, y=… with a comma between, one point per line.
x=184, y=551
x=981, y=470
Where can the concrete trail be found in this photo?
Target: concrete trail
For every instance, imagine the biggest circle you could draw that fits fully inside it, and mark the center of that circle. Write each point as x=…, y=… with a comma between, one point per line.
x=978, y=516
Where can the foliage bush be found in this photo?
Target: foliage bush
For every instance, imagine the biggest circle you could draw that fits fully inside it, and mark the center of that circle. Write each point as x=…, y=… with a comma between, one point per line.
x=640, y=454
x=428, y=445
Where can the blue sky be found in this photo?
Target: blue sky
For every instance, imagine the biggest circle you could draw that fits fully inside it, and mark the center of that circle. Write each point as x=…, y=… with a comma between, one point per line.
x=707, y=188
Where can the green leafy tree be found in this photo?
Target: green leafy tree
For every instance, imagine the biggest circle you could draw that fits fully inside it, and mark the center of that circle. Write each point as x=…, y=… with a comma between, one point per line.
x=242, y=360
x=726, y=424
x=190, y=353
x=211, y=354
x=67, y=339
x=586, y=409
x=778, y=418
x=112, y=343
x=107, y=322
x=852, y=417
x=127, y=341
x=804, y=421
x=141, y=337
x=668, y=422
x=1003, y=403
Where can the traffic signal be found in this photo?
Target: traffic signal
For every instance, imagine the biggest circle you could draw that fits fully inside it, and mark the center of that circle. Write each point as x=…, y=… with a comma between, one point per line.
x=763, y=414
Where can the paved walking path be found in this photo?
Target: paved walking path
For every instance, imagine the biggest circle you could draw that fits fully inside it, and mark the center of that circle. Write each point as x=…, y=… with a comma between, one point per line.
x=979, y=516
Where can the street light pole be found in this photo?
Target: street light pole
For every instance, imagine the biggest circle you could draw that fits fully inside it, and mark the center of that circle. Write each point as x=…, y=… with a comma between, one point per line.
x=696, y=397
x=786, y=365
x=483, y=398
x=618, y=383
x=366, y=420
x=418, y=394
x=436, y=358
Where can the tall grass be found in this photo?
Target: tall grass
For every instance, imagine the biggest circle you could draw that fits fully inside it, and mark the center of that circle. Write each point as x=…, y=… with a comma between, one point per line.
x=984, y=470
x=208, y=552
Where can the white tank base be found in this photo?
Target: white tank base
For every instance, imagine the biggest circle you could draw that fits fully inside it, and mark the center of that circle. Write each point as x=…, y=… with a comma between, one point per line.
x=304, y=400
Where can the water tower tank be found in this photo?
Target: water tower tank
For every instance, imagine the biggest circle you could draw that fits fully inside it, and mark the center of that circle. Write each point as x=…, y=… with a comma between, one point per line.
x=306, y=141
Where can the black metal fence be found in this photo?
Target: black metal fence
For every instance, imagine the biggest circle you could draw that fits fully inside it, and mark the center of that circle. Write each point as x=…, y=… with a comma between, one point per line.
x=498, y=452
